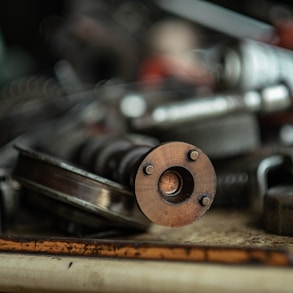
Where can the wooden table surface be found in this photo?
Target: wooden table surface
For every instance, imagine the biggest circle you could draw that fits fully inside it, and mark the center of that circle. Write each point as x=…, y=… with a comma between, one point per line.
x=227, y=228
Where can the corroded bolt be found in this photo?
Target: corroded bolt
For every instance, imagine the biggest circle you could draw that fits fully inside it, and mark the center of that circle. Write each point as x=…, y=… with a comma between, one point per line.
x=149, y=169
x=205, y=200
x=193, y=155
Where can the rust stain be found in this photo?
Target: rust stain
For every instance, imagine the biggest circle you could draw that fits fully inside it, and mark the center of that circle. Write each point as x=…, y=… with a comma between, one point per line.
x=148, y=251
x=228, y=256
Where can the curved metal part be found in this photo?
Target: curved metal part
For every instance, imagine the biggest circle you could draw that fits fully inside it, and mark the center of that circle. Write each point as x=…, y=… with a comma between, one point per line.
x=261, y=175
x=62, y=210
x=73, y=186
x=175, y=184
x=63, y=218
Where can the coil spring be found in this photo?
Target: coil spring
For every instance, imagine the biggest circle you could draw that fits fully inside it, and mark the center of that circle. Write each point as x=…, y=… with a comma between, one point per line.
x=32, y=87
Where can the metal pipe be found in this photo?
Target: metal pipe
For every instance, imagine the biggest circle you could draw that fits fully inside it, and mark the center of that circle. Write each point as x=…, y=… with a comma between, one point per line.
x=270, y=99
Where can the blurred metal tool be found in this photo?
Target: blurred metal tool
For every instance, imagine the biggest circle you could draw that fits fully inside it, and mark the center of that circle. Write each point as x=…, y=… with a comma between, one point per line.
x=245, y=180
x=269, y=99
x=248, y=64
x=221, y=137
x=219, y=18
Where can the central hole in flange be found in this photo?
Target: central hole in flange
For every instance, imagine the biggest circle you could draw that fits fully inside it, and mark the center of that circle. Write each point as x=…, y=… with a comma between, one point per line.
x=170, y=183
x=176, y=184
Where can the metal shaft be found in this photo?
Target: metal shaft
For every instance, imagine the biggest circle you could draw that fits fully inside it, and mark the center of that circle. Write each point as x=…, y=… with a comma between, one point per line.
x=271, y=99
x=174, y=183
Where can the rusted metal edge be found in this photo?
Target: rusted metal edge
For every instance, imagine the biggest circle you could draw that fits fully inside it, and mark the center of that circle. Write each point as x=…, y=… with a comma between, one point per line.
x=149, y=251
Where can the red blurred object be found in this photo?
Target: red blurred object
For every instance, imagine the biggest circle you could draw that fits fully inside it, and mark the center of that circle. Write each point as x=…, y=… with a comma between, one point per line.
x=158, y=67
x=285, y=34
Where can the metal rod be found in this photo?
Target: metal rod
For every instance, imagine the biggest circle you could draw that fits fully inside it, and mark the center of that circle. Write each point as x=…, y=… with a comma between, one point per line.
x=271, y=99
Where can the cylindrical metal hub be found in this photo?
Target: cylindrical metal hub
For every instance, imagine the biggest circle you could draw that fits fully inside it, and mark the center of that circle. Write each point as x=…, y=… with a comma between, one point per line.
x=175, y=184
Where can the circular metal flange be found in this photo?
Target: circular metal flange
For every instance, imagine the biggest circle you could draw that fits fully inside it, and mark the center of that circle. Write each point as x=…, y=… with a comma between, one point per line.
x=61, y=181
x=175, y=184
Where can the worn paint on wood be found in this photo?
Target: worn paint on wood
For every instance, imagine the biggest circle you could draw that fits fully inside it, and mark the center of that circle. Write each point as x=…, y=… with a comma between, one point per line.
x=148, y=251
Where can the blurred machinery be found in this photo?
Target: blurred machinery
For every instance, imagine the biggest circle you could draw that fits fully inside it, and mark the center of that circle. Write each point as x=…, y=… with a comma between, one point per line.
x=138, y=107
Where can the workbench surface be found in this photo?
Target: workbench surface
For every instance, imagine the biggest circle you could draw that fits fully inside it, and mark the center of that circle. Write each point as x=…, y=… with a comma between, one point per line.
x=227, y=228
x=219, y=226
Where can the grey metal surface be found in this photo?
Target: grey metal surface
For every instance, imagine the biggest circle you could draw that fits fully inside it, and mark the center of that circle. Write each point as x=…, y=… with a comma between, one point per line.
x=219, y=18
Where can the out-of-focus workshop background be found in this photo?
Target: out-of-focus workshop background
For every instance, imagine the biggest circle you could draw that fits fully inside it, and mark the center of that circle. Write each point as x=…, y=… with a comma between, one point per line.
x=146, y=146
